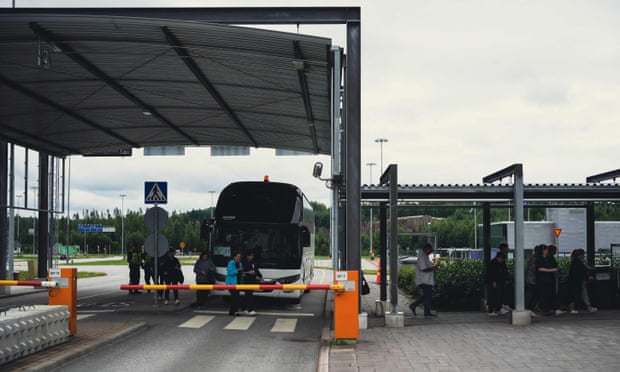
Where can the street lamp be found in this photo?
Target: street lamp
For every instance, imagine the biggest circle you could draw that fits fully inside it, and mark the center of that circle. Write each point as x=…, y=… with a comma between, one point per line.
x=211, y=192
x=381, y=141
x=370, y=165
x=123, y=224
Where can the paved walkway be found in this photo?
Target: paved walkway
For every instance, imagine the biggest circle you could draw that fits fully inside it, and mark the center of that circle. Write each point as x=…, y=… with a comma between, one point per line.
x=472, y=341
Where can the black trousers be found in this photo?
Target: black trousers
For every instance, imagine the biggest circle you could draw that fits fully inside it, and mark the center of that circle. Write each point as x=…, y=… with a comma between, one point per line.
x=234, y=302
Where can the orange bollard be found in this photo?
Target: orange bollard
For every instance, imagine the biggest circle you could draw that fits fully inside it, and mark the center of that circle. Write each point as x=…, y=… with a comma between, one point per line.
x=378, y=278
x=65, y=294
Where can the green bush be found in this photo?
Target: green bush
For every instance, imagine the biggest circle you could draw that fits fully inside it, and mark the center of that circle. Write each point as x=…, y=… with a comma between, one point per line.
x=406, y=279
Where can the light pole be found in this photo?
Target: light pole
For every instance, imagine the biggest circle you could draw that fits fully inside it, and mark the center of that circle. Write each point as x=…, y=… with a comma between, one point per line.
x=370, y=165
x=18, y=199
x=381, y=141
x=34, y=219
x=211, y=192
x=123, y=224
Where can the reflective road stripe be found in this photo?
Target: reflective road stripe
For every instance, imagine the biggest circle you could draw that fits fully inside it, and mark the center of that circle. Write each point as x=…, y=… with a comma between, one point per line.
x=197, y=321
x=240, y=323
x=284, y=325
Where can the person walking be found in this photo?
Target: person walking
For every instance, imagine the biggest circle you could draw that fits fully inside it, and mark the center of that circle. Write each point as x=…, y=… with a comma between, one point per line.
x=496, y=279
x=205, y=274
x=234, y=273
x=133, y=258
x=170, y=275
x=425, y=279
x=531, y=291
x=578, y=279
x=251, y=275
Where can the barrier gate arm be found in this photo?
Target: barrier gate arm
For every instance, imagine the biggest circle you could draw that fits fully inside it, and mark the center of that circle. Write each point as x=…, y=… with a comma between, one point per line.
x=32, y=283
x=238, y=287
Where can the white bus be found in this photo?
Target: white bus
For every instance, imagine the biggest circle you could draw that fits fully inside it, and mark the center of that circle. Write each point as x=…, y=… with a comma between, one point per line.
x=276, y=222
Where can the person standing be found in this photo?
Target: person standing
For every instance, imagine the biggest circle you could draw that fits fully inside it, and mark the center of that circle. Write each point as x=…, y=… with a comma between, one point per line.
x=425, y=279
x=508, y=290
x=496, y=278
x=147, y=265
x=205, y=274
x=251, y=275
x=546, y=274
x=578, y=279
x=170, y=275
x=133, y=258
x=234, y=273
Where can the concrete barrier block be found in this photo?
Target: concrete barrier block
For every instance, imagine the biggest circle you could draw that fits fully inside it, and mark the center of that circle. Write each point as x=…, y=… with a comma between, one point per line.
x=24, y=331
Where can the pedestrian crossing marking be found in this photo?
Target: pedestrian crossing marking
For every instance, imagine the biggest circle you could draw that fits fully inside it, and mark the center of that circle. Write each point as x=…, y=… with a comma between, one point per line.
x=240, y=324
x=284, y=325
x=197, y=321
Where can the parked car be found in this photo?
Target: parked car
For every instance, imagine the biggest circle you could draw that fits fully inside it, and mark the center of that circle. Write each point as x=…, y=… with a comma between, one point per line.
x=407, y=260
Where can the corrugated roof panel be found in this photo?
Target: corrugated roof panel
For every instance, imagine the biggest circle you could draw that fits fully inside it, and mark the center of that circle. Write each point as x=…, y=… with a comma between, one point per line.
x=251, y=70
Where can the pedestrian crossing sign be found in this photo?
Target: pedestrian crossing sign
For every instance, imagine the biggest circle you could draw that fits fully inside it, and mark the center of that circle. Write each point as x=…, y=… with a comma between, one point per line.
x=155, y=192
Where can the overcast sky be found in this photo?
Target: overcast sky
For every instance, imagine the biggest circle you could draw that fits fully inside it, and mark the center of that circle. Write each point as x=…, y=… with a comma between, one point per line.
x=460, y=89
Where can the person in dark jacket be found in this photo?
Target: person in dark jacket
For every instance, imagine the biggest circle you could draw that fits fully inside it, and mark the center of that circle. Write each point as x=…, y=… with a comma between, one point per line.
x=133, y=258
x=496, y=279
x=251, y=275
x=546, y=280
x=147, y=265
x=170, y=269
x=205, y=274
x=578, y=279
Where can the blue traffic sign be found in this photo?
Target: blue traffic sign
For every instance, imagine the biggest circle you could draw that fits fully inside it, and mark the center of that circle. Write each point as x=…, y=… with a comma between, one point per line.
x=90, y=228
x=155, y=192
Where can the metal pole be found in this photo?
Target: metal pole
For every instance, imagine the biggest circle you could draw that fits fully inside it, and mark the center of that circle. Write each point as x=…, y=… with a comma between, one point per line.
x=68, y=211
x=519, y=238
x=370, y=165
x=211, y=192
x=123, y=224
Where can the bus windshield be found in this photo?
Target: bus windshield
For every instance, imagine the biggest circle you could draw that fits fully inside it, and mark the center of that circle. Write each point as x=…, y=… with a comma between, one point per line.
x=274, y=245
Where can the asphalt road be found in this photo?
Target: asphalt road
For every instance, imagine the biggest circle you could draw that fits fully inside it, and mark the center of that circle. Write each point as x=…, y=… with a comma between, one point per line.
x=282, y=335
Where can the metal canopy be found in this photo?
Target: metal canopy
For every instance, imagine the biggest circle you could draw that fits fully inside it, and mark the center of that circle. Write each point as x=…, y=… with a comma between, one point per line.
x=103, y=85
x=540, y=192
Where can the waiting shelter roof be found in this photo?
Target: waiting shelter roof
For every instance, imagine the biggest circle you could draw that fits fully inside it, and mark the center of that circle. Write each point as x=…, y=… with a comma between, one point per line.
x=103, y=85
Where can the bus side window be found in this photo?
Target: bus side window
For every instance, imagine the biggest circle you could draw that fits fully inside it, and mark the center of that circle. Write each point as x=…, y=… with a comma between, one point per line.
x=305, y=236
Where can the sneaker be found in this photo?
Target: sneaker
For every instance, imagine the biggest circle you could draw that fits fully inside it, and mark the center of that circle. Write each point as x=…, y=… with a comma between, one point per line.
x=573, y=312
x=246, y=312
x=559, y=312
x=176, y=302
x=413, y=309
x=166, y=302
x=503, y=311
x=251, y=313
x=506, y=308
x=533, y=314
x=493, y=313
x=592, y=310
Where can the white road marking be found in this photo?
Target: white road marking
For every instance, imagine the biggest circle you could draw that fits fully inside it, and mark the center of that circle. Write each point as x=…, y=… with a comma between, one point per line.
x=284, y=325
x=259, y=313
x=84, y=316
x=197, y=321
x=240, y=323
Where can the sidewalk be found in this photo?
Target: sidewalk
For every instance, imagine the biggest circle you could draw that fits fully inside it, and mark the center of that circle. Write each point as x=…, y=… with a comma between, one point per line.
x=472, y=341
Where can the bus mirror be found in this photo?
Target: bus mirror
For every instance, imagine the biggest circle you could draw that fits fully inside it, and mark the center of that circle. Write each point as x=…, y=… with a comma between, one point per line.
x=205, y=229
x=305, y=237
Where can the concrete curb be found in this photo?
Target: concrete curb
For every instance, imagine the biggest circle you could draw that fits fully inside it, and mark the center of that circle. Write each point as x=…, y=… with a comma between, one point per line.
x=58, y=355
